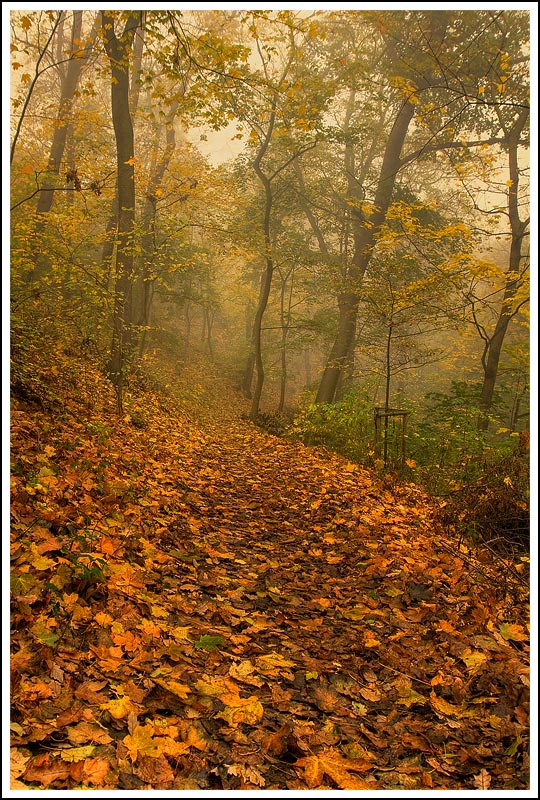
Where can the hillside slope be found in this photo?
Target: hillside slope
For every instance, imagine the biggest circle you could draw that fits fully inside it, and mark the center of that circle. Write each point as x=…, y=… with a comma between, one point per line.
x=199, y=605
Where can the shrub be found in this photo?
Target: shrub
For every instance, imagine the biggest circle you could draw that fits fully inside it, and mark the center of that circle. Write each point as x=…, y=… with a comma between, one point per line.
x=495, y=508
x=345, y=427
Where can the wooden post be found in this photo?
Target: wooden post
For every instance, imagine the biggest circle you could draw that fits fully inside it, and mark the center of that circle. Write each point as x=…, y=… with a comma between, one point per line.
x=380, y=412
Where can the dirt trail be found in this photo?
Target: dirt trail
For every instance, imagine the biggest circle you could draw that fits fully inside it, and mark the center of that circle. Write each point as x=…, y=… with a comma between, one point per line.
x=267, y=616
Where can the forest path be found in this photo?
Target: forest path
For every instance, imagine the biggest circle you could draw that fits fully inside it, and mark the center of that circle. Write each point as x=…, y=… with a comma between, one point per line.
x=239, y=611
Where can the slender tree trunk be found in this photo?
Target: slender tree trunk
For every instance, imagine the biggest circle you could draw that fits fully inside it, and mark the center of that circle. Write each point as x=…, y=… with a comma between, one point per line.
x=339, y=354
x=518, y=228
x=307, y=367
x=266, y=284
x=145, y=283
x=69, y=79
x=266, y=279
x=388, y=379
x=247, y=377
x=187, y=318
x=285, y=320
x=118, y=49
x=207, y=330
x=107, y=253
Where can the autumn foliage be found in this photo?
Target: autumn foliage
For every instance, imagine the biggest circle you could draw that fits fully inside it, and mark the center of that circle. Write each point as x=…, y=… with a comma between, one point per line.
x=197, y=604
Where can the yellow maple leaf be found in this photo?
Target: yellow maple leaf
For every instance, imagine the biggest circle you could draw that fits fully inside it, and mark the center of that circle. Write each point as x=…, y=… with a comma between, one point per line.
x=250, y=712
x=193, y=735
x=313, y=770
x=181, y=634
x=103, y=619
x=210, y=687
x=142, y=741
x=170, y=747
x=473, y=659
x=241, y=670
x=119, y=708
x=272, y=664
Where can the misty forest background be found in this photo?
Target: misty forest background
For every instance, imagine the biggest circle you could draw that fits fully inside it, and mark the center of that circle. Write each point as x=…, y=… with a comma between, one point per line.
x=357, y=269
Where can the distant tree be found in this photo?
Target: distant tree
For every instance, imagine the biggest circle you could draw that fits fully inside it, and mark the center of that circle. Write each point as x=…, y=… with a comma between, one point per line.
x=69, y=71
x=515, y=286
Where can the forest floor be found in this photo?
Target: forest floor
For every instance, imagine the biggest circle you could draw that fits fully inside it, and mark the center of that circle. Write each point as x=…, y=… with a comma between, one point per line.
x=198, y=605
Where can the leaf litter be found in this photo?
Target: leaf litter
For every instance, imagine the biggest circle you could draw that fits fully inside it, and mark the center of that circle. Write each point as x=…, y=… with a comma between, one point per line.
x=200, y=605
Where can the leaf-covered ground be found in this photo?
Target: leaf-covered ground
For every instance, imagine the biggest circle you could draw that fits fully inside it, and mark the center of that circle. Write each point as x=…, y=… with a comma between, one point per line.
x=199, y=605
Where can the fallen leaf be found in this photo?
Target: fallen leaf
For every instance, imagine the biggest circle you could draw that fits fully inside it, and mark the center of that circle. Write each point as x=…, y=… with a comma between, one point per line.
x=250, y=712
x=482, y=780
x=181, y=690
x=120, y=707
x=514, y=633
x=142, y=742
x=77, y=753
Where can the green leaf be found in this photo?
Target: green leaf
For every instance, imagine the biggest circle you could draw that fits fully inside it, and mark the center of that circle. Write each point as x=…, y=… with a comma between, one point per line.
x=208, y=642
x=43, y=634
x=514, y=633
x=511, y=751
x=22, y=584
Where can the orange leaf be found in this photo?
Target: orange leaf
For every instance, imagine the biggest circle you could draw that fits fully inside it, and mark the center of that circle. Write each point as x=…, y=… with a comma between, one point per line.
x=41, y=771
x=442, y=707
x=88, y=732
x=514, y=633
x=370, y=694
x=313, y=770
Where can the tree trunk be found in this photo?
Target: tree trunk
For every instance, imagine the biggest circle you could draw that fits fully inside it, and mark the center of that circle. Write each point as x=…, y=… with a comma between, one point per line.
x=118, y=50
x=145, y=284
x=266, y=279
x=518, y=228
x=364, y=242
x=69, y=79
x=388, y=379
x=207, y=330
x=249, y=369
x=266, y=284
x=107, y=253
x=285, y=322
x=339, y=355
